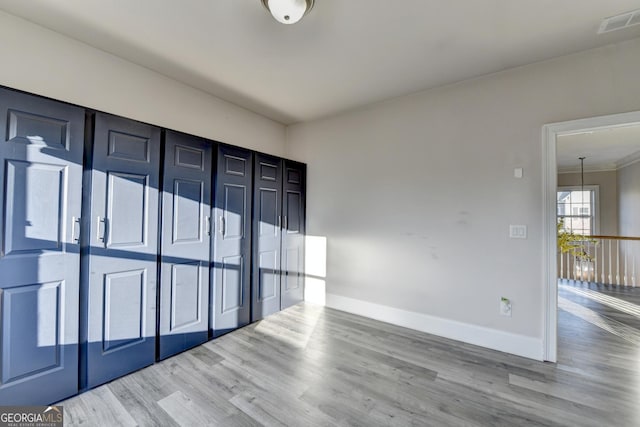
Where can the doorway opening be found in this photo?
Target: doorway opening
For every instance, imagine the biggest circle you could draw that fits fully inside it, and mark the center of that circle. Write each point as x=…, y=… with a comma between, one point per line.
x=602, y=225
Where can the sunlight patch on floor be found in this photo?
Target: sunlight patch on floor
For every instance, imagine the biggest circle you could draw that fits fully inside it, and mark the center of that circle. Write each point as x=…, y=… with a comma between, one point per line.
x=613, y=302
x=610, y=325
x=294, y=338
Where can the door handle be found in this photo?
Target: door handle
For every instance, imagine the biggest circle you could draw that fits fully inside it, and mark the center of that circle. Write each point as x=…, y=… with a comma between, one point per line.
x=286, y=223
x=102, y=229
x=208, y=225
x=279, y=221
x=75, y=229
x=222, y=225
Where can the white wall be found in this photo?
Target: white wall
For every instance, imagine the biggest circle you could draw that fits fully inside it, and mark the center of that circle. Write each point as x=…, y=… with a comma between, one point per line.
x=41, y=61
x=608, y=193
x=415, y=195
x=629, y=213
x=629, y=200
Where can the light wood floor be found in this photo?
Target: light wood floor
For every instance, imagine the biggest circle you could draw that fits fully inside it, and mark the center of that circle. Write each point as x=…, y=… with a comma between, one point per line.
x=313, y=366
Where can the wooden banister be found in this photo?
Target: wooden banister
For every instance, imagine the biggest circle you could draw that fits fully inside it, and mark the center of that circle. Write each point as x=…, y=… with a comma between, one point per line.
x=610, y=260
x=612, y=237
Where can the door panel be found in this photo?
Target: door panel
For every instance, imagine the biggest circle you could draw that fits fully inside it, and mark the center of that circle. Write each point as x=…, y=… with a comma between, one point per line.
x=232, y=291
x=292, y=257
x=37, y=129
x=266, y=239
x=186, y=224
x=269, y=207
x=37, y=336
x=293, y=234
x=294, y=212
x=128, y=147
x=269, y=283
x=126, y=209
x=234, y=213
x=184, y=282
x=186, y=296
x=231, y=240
x=124, y=295
x=28, y=227
x=123, y=247
x=41, y=147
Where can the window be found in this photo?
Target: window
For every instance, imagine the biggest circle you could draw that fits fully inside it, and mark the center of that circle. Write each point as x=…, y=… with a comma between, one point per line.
x=577, y=209
x=581, y=210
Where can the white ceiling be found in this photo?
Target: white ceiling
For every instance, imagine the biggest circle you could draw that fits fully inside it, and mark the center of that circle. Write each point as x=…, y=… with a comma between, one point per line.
x=604, y=149
x=344, y=54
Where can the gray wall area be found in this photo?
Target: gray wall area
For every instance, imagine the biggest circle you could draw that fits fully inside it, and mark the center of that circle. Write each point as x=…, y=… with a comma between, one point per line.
x=629, y=200
x=415, y=195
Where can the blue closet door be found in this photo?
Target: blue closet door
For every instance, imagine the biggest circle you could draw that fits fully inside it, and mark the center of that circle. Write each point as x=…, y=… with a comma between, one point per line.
x=41, y=180
x=293, y=234
x=267, y=234
x=123, y=249
x=232, y=240
x=186, y=230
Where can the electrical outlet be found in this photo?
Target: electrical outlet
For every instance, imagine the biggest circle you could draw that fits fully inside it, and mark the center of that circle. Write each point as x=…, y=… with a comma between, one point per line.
x=505, y=307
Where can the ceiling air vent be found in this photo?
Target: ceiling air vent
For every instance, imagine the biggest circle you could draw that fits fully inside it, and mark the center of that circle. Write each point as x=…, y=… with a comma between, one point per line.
x=618, y=22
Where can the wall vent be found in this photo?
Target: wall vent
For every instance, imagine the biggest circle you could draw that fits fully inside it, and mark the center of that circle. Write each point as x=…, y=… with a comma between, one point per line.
x=618, y=22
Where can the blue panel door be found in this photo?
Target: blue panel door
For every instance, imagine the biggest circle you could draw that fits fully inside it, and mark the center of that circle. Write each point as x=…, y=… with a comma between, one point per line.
x=186, y=230
x=41, y=180
x=267, y=232
x=123, y=248
x=231, y=241
x=293, y=234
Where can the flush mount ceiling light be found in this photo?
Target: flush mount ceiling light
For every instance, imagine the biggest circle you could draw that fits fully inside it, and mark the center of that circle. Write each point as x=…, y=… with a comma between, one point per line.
x=288, y=11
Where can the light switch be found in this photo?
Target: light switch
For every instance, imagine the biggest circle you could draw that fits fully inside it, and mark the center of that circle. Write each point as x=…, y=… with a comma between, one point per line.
x=517, y=173
x=518, y=231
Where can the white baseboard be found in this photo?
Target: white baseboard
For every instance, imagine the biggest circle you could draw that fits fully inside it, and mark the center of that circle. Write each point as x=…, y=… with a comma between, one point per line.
x=478, y=335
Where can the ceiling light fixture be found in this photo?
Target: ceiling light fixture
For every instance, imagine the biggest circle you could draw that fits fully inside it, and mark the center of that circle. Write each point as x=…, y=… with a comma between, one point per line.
x=288, y=11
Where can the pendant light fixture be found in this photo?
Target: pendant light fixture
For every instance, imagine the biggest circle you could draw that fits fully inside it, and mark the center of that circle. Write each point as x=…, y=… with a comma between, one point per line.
x=288, y=11
x=582, y=180
x=582, y=174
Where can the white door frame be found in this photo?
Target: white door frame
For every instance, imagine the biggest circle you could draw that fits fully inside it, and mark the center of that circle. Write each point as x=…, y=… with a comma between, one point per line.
x=550, y=132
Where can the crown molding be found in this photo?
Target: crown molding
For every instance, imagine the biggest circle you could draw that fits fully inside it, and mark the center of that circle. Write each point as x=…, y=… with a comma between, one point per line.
x=629, y=160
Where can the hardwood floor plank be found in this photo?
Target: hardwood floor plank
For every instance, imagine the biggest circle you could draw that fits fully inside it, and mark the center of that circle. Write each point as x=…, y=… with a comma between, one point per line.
x=259, y=414
x=184, y=411
x=261, y=365
x=98, y=407
x=296, y=412
x=206, y=356
x=200, y=387
x=555, y=389
x=140, y=402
